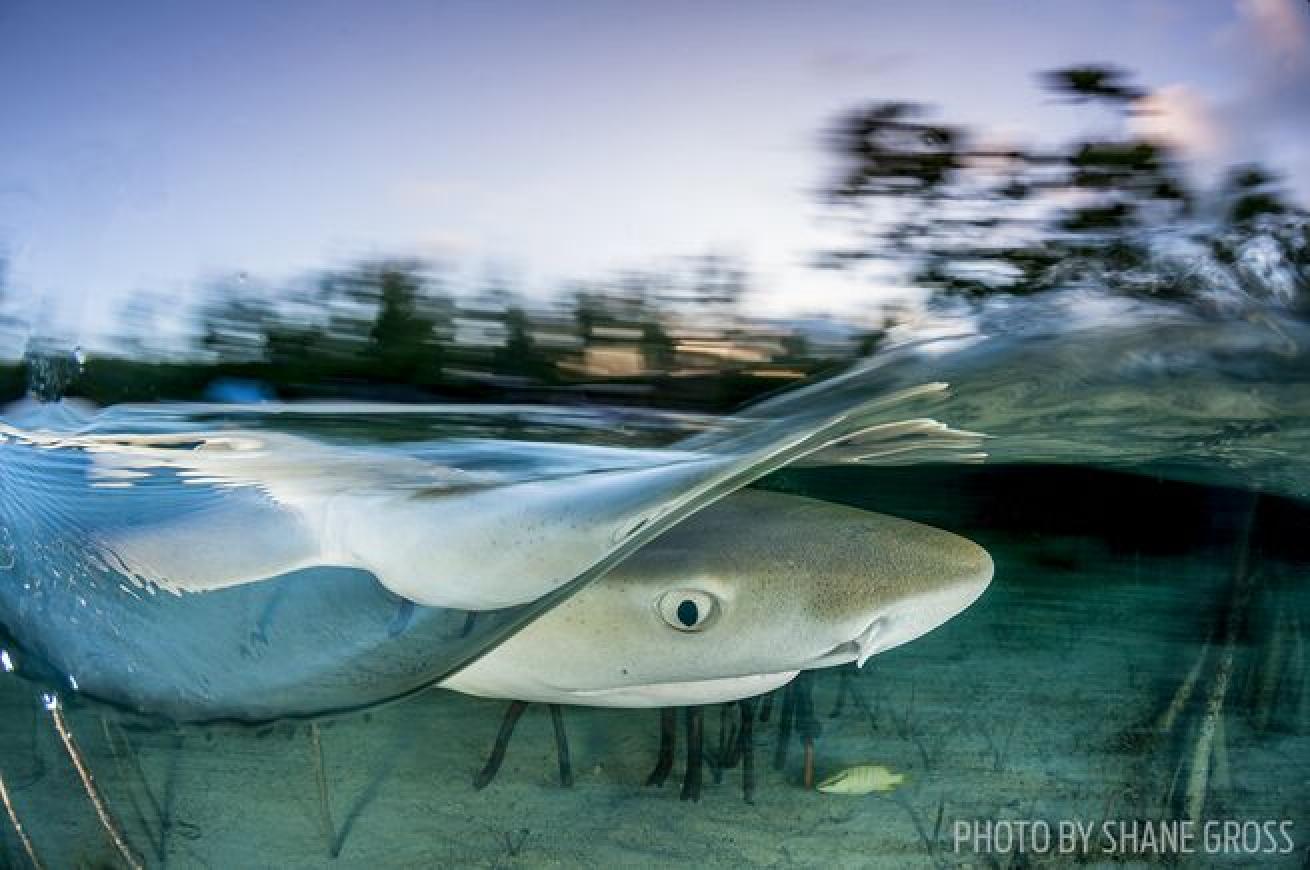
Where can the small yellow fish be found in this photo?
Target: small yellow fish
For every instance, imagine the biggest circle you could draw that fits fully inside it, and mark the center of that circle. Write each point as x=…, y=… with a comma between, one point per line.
x=861, y=779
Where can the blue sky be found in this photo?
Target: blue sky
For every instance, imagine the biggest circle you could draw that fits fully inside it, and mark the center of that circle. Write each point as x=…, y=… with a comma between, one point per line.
x=153, y=146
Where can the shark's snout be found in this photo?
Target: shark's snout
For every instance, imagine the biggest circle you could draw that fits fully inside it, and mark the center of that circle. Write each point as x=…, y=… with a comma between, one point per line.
x=965, y=577
x=946, y=575
x=785, y=584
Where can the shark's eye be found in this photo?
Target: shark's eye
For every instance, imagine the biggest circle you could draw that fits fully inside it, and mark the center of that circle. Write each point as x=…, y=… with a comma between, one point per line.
x=687, y=609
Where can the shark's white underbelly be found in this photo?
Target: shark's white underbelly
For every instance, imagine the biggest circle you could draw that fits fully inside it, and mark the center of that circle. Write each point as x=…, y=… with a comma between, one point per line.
x=486, y=680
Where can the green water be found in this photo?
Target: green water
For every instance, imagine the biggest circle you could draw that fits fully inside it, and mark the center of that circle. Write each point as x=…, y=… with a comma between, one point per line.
x=1048, y=701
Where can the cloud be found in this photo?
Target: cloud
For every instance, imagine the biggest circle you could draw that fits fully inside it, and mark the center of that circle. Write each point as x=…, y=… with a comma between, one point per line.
x=1259, y=116
x=1183, y=117
x=1268, y=119
x=1281, y=28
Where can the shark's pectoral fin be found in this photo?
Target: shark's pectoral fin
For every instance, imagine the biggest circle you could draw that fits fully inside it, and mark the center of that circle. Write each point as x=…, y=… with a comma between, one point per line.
x=213, y=547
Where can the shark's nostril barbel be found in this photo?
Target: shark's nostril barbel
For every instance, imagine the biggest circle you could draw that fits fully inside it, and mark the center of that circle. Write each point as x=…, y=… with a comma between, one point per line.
x=867, y=643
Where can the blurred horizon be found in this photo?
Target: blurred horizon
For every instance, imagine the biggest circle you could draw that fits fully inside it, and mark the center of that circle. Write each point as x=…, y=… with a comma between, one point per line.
x=158, y=151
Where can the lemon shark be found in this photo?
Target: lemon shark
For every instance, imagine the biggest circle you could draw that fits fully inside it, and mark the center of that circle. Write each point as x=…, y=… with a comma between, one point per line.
x=734, y=602
x=246, y=573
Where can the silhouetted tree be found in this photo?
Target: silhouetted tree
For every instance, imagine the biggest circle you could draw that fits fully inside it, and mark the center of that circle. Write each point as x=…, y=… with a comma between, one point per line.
x=404, y=343
x=1094, y=82
x=519, y=355
x=968, y=219
x=657, y=346
x=234, y=326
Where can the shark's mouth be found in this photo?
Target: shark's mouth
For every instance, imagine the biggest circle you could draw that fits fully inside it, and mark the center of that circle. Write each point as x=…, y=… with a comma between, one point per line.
x=858, y=650
x=906, y=621
x=868, y=642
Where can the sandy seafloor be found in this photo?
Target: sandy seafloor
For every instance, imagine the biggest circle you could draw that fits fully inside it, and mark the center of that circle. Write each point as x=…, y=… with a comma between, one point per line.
x=1022, y=708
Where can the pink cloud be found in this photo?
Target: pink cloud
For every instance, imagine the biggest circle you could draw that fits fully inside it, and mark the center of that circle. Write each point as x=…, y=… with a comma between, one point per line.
x=1182, y=116
x=1281, y=27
